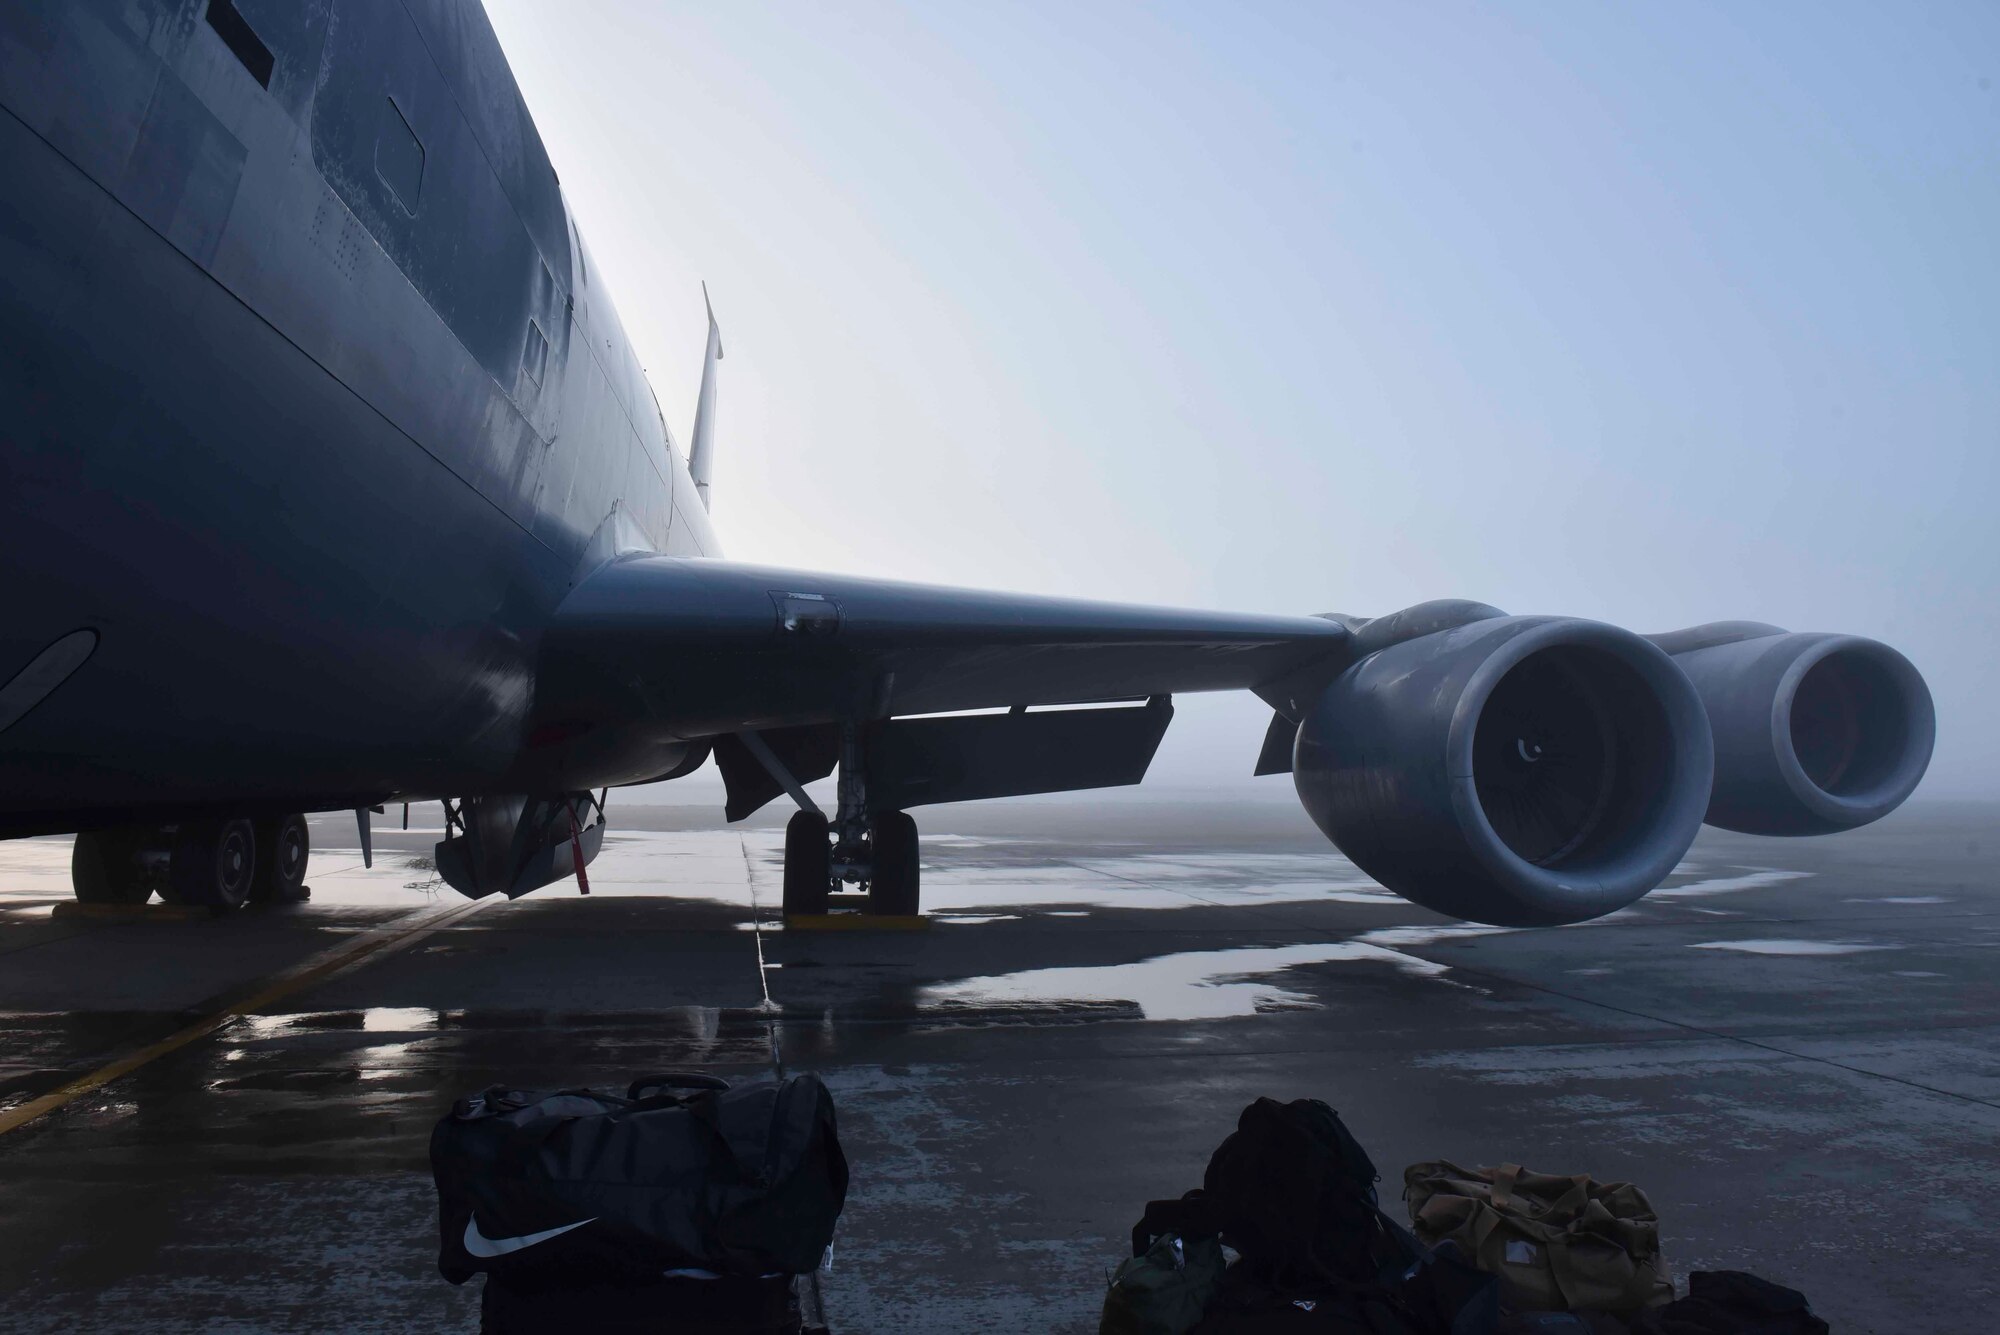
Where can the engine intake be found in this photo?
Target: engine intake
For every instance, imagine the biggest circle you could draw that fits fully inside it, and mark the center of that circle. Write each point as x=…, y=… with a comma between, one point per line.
x=1521, y=771
x=1813, y=733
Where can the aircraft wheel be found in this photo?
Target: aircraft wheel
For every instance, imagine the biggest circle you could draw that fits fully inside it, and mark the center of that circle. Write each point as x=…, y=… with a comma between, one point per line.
x=214, y=863
x=104, y=867
x=808, y=863
x=892, y=884
x=282, y=848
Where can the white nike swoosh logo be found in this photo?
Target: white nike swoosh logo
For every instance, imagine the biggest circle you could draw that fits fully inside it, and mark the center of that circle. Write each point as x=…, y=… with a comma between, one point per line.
x=480, y=1245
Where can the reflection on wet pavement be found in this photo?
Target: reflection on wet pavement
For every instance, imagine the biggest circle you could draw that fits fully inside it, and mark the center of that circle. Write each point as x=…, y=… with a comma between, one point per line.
x=1774, y=947
x=977, y=882
x=1750, y=879
x=1079, y=995
x=1197, y=985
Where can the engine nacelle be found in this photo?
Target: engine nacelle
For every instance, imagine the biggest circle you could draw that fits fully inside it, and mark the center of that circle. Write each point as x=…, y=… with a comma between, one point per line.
x=1813, y=733
x=1521, y=771
x=513, y=843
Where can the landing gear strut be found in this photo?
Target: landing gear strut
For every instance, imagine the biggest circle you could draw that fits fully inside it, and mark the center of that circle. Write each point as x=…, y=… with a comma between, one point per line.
x=874, y=850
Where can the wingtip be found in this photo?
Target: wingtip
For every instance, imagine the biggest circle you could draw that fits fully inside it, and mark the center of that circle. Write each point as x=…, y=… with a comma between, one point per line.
x=714, y=329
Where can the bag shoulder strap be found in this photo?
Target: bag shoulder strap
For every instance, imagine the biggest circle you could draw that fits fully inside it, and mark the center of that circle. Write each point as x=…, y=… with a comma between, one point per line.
x=1506, y=1181
x=1409, y=1250
x=1193, y=1215
x=522, y=1143
x=704, y=1108
x=668, y=1081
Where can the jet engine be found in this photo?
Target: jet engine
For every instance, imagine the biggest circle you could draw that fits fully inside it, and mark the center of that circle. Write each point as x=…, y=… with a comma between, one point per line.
x=1521, y=771
x=1813, y=733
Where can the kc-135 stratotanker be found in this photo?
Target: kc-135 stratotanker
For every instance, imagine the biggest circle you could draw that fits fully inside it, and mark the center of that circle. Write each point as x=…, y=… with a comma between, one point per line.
x=330, y=481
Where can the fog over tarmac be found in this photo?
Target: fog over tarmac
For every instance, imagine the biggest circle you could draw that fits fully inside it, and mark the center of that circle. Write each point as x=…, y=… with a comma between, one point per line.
x=1655, y=315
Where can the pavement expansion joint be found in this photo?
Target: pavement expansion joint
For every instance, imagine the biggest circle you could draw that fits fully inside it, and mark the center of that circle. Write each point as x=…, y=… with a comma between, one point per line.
x=856, y=922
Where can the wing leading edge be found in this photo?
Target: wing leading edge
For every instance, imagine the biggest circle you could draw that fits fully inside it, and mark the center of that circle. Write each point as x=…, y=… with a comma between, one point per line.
x=688, y=647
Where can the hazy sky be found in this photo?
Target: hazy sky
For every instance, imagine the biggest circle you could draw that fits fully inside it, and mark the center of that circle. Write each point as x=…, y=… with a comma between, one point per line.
x=1654, y=314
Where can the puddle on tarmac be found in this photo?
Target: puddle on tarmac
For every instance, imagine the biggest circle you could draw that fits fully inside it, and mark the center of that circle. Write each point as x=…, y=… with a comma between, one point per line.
x=955, y=889
x=374, y=1020
x=1752, y=878
x=1425, y=936
x=1359, y=895
x=1294, y=867
x=398, y=1019
x=1900, y=899
x=1196, y=985
x=1783, y=947
x=976, y=882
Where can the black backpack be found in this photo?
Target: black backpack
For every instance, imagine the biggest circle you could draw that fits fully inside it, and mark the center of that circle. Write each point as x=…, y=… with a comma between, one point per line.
x=1731, y=1302
x=681, y=1173
x=1293, y=1193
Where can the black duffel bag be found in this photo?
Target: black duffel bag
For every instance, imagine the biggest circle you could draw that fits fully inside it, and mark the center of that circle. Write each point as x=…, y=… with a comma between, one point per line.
x=683, y=1173
x=682, y=1305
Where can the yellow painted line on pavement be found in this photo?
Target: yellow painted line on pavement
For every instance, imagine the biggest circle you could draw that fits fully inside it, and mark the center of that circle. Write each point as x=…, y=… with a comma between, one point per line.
x=371, y=945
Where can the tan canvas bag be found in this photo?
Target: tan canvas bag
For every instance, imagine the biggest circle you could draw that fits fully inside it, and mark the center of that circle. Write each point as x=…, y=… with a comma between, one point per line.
x=1557, y=1243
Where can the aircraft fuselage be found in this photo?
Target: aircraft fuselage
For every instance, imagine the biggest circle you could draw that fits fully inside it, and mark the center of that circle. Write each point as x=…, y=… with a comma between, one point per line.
x=314, y=407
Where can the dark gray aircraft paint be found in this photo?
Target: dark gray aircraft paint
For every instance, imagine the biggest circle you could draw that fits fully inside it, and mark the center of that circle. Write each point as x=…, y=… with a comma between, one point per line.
x=330, y=480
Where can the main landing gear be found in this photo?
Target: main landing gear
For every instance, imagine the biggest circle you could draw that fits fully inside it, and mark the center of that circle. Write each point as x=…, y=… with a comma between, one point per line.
x=883, y=862
x=876, y=851
x=221, y=864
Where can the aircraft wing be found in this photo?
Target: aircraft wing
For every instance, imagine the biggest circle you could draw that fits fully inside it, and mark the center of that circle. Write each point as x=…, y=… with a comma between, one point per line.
x=649, y=653
x=702, y=647
x=1519, y=770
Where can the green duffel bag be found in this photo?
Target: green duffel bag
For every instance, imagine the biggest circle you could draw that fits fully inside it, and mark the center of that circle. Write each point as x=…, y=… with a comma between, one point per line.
x=1557, y=1243
x=1162, y=1291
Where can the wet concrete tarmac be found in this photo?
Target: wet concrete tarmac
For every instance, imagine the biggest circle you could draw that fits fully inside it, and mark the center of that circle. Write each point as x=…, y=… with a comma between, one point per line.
x=1794, y=1047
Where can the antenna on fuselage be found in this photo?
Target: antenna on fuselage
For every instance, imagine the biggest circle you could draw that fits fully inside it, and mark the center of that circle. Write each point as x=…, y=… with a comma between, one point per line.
x=701, y=448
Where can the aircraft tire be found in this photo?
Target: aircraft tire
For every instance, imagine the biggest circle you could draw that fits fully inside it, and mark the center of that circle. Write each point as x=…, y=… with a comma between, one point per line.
x=892, y=884
x=808, y=863
x=213, y=864
x=104, y=867
x=283, y=846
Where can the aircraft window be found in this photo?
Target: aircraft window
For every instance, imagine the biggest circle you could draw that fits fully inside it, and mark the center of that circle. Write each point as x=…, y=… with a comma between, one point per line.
x=535, y=353
x=242, y=41
x=399, y=157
